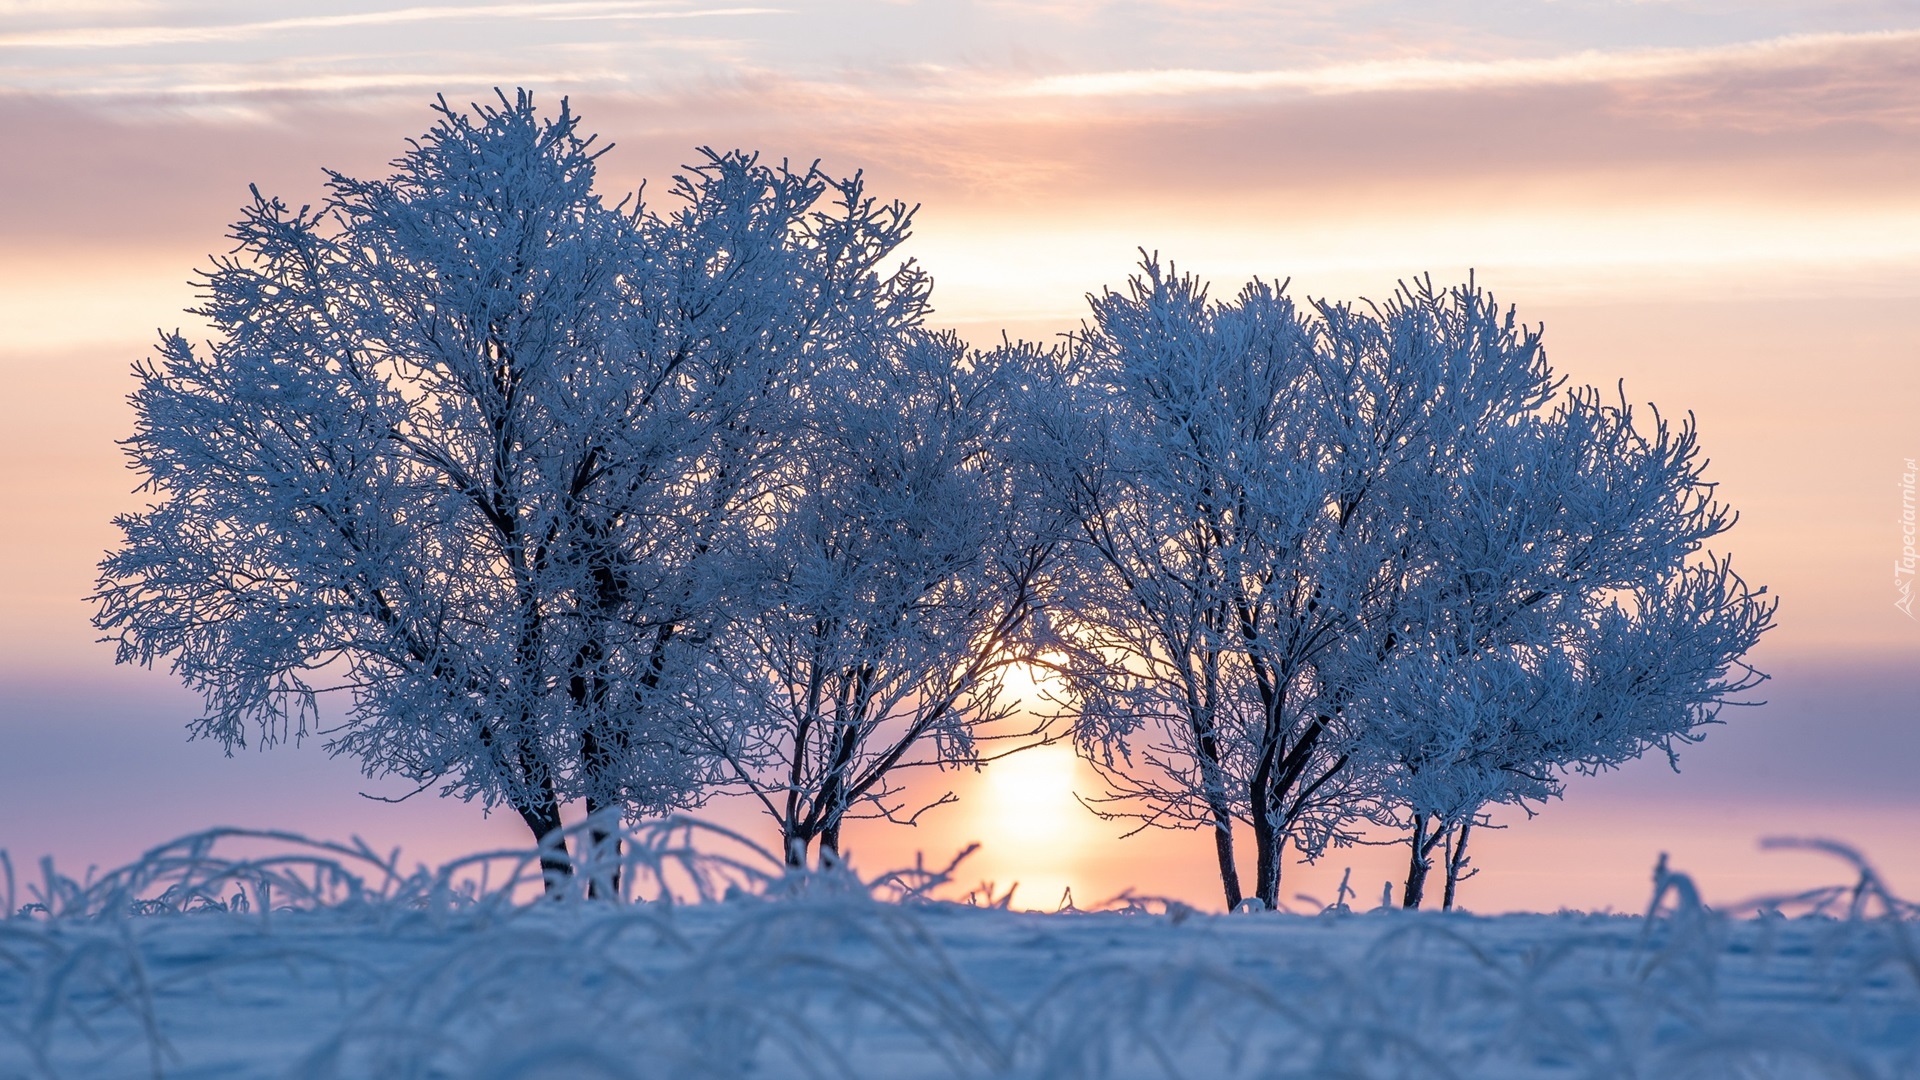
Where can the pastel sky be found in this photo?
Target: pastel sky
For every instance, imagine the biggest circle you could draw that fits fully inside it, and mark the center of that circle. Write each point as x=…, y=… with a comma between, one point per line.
x=1718, y=203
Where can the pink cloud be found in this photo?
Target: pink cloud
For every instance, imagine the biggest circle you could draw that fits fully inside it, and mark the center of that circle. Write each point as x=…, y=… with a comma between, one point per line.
x=1832, y=117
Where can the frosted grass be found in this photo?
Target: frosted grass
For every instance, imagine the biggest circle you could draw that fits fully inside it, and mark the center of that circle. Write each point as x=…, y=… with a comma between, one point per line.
x=237, y=952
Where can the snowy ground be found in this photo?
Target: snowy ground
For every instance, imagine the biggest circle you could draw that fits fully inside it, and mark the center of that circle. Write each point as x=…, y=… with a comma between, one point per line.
x=330, y=966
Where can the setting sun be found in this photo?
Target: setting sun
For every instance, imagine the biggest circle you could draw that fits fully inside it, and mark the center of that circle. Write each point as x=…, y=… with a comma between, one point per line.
x=1030, y=827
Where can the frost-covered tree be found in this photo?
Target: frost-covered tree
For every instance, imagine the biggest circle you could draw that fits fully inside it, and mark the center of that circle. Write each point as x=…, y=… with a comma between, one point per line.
x=1454, y=734
x=479, y=452
x=1206, y=577
x=1287, y=516
x=898, y=569
x=1560, y=617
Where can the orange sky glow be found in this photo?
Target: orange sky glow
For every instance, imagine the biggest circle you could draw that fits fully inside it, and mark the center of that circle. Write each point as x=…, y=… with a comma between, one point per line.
x=1715, y=203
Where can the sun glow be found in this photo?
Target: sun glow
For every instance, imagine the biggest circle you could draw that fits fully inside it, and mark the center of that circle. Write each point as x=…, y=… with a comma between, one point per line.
x=1030, y=686
x=1030, y=826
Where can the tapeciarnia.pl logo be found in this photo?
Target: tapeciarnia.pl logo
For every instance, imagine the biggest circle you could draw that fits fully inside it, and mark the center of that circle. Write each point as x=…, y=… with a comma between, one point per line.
x=1903, y=566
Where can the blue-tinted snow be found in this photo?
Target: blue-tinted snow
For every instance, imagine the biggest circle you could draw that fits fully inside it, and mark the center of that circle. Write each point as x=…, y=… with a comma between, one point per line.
x=822, y=975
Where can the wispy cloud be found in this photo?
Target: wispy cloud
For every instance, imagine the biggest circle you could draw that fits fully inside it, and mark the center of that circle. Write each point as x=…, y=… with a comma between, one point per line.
x=70, y=8
x=346, y=83
x=1418, y=73
x=97, y=37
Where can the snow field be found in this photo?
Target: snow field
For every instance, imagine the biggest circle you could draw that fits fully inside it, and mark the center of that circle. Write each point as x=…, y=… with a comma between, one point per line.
x=348, y=973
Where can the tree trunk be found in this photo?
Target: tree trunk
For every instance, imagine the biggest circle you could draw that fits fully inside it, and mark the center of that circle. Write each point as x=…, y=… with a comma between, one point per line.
x=542, y=816
x=1418, y=865
x=830, y=807
x=603, y=884
x=1215, y=792
x=1260, y=802
x=1223, y=850
x=1267, y=793
x=795, y=844
x=1456, y=862
x=830, y=844
x=1267, y=844
x=589, y=693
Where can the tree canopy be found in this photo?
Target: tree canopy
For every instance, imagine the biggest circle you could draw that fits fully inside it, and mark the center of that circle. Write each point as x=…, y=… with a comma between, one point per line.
x=629, y=504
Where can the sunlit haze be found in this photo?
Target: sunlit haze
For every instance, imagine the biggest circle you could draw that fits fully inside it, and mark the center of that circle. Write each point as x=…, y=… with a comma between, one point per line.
x=1712, y=205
